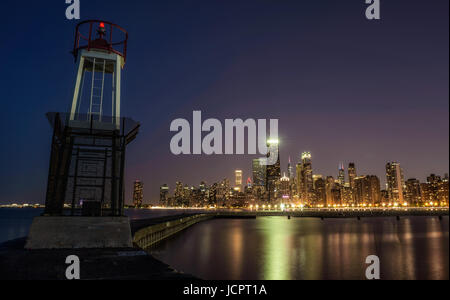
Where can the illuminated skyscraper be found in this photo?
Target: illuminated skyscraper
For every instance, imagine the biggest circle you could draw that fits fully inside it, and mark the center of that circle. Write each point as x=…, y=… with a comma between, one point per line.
x=329, y=187
x=178, y=195
x=284, y=187
x=273, y=172
x=336, y=195
x=361, y=190
x=351, y=174
x=413, y=193
x=238, y=179
x=164, y=195
x=367, y=190
x=332, y=192
x=395, y=182
x=305, y=178
x=289, y=169
x=341, y=175
x=436, y=190
x=443, y=193
x=223, y=192
x=188, y=199
x=347, y=195
x=203, y=195
x=434, y=182
x=375, y=189
x=138, y=193
x=319, y=190
x=212, y=196
x=259, y=173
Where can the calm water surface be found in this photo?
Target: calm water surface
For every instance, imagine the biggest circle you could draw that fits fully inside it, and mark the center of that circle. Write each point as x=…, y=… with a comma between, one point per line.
x=15, y=222
x=299, y=248
x=308, y=248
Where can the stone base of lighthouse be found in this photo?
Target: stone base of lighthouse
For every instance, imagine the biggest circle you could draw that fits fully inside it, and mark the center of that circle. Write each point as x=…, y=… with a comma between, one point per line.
x=79, y=232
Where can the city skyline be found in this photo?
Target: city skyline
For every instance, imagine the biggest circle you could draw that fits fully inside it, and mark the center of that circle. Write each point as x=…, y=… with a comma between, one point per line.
x=247, y=172
x=352, y=186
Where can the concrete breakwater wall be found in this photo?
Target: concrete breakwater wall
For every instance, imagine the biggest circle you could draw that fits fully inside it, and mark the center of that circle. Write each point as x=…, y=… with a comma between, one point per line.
x=154, y=233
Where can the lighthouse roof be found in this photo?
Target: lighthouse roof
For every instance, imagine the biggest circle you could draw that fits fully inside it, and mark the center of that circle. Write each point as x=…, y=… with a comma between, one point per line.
x=100, y=35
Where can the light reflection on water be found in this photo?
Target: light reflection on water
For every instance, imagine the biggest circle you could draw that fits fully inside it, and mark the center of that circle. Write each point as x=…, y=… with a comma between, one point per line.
x=307, y=248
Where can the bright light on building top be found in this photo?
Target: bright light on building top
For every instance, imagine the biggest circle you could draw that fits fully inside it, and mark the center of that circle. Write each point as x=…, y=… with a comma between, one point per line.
x=306, y=155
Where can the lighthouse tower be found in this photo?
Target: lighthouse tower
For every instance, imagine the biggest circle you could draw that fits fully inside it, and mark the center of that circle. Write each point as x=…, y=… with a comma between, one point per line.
x=100, y=51
x=84, y=204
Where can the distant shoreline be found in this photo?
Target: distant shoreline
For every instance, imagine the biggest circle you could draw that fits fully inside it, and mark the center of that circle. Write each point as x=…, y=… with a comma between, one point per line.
x=301, y=212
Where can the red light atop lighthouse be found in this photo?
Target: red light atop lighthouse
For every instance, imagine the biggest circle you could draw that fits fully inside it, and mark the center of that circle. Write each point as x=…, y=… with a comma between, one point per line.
x=92, y=34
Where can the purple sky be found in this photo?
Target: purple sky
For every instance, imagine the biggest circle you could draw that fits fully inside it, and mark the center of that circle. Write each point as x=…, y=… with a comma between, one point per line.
x=344, y=88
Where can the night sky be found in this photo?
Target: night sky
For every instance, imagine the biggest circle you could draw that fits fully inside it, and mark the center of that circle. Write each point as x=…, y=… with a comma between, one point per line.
x=344, y=88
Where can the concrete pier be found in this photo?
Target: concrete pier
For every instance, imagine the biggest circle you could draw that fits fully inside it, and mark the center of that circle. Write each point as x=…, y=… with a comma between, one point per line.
x=17, y=263
x=79, y=232
x=151, y=234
